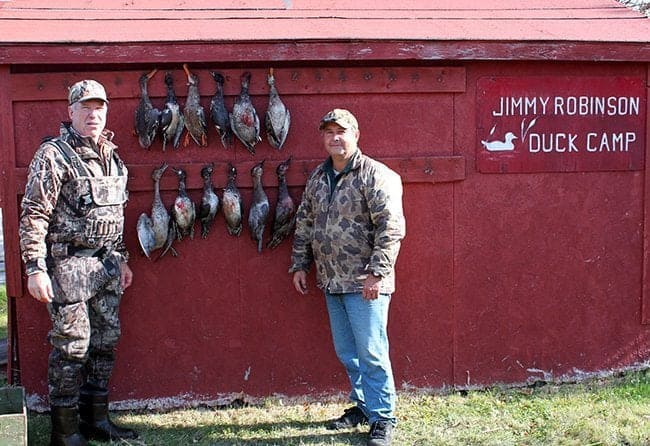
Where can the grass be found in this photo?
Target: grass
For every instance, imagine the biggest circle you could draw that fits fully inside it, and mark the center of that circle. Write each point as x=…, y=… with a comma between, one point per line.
x=612, y=411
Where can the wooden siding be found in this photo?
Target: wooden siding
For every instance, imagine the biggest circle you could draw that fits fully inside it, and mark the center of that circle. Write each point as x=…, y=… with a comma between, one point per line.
x=554, y=262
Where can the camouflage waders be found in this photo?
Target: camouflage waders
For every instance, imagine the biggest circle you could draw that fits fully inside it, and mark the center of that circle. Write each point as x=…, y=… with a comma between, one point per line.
x=85, y=325
x=85, y=229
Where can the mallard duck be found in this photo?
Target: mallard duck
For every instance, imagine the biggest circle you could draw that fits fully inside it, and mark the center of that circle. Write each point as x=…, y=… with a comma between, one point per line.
x=154, y=231
x=259, y=211
x=183, y=210
x=147, y=117
x=232, y=204
x=285, y=209
x=278, y=118
x=244, y=121
x=172, y=121
x=193, y=112
x=209, y=201
x=219, y=112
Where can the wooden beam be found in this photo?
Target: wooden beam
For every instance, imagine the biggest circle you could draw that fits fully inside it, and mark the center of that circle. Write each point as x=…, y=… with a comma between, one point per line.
x=225, y=53
x=432, y=169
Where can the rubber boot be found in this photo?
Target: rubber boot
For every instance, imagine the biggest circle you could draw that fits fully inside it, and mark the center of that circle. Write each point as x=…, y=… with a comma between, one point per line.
x=65, y=427
x=95, y=423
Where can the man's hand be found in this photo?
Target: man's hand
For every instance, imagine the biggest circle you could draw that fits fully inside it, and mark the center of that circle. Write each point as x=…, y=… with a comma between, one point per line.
x=126, y=276
x=300, y=281
x=371, y=287
x=39, y=286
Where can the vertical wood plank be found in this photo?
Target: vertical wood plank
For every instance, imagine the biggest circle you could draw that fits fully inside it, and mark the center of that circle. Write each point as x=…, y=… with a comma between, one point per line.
x=8, y=199
x=9, y=206
x=645, y=296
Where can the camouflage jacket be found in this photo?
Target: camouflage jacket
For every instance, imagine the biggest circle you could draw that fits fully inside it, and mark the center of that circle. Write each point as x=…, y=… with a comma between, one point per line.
x=50, y=207
x=351, y=229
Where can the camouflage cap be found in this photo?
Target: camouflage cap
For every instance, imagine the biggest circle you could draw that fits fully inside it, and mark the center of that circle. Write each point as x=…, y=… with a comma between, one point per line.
x=341, y=117
x=86, y=90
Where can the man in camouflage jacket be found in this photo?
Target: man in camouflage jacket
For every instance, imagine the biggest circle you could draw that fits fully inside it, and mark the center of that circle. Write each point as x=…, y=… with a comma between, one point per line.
x=350, y=223
x=71, y=239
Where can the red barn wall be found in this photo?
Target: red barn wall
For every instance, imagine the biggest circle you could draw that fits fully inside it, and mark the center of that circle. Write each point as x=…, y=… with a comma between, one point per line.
x=503, y=277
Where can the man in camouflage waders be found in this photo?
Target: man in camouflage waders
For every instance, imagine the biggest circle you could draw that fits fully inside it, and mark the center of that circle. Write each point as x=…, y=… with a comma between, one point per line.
x=71, y=240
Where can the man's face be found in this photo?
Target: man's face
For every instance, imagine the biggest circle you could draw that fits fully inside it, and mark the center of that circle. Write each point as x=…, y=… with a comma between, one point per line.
x=89, y=117
x=339, y=142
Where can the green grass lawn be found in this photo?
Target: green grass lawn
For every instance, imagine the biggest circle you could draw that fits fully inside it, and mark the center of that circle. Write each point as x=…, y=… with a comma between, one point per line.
x=604, y=412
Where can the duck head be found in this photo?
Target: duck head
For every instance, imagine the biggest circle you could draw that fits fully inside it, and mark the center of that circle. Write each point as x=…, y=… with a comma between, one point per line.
x=192, y=79
x=218, y=78
x=283, y=167
x=157, y=174
x=232, y=172
x=206, y=171
x=258, y=169
x=182, y=175
x=146, y=76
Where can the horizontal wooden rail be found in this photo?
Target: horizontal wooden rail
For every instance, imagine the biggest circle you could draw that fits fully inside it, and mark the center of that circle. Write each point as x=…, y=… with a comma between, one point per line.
x=289, y=81
x=433, y=169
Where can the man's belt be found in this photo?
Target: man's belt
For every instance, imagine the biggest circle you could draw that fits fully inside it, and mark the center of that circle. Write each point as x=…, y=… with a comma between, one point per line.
x=86, y=252
x=67, y=250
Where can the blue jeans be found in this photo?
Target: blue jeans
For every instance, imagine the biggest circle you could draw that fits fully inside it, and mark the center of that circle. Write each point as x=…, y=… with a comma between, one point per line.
x=361, y=343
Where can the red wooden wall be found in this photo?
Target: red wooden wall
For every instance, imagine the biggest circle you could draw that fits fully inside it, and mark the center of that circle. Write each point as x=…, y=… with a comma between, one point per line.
x=501, y=278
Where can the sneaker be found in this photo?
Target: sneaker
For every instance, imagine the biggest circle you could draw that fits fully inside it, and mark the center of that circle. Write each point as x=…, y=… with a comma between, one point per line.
x=351, y=417
x=381, y=433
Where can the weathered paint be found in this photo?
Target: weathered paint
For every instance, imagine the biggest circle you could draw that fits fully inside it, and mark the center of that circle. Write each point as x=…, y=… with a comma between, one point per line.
x=502, y=277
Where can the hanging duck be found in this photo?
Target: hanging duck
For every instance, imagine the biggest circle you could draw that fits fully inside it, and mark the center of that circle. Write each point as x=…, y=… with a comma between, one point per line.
x=209, y=201
x=172, y=121
x=219, y=112
x=147, y=117
x=259, y=211
x=278, y=118
x=244, y=121
x=232, y=203
x=193, y=112
x=285, y=209
x=183, y=211
x=154, y=231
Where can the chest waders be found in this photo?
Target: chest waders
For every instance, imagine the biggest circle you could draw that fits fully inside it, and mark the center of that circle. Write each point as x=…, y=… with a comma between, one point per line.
x=87, y=223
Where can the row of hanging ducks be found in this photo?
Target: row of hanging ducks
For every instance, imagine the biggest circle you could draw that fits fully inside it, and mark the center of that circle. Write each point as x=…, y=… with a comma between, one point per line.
x=161, y=228
x=243, y=122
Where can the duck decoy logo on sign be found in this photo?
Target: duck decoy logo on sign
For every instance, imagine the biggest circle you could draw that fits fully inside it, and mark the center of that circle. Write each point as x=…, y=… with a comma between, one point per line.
x=567, y=124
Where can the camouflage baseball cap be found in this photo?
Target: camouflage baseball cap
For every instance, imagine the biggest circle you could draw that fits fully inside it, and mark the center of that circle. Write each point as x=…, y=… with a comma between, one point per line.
x=86, y=90
x=341, y=117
